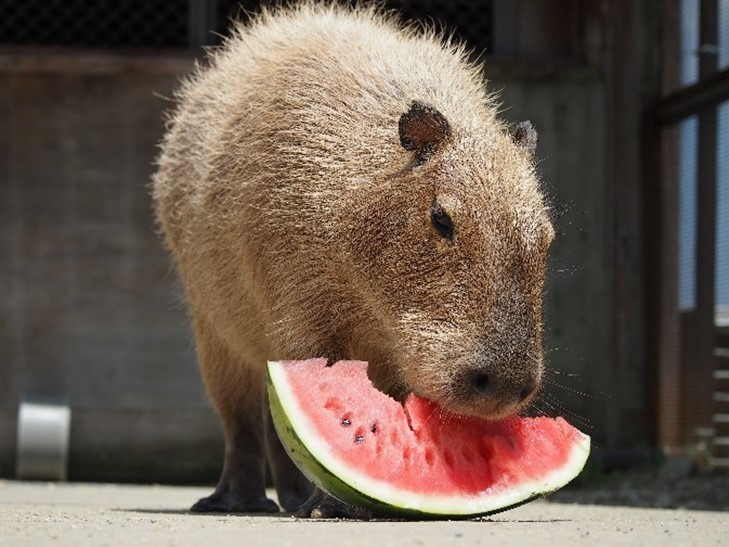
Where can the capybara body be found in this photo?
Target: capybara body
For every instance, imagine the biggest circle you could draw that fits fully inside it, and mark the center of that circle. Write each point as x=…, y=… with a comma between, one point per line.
x=332, y=184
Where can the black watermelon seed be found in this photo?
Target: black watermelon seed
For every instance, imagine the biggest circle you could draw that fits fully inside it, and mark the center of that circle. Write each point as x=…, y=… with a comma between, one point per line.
x=358, y=439
x=346, y=422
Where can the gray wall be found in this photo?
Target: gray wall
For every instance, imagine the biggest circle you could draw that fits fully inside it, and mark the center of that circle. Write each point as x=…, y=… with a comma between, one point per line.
x=89, y=307
x=89, y=310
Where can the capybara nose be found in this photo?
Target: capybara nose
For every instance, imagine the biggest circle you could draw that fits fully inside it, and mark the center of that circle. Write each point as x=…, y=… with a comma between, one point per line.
x=482, y=382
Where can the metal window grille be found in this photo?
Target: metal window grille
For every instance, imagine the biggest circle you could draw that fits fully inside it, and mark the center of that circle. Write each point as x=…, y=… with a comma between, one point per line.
x=472, y=21
x=94, y=23
x=189, y=23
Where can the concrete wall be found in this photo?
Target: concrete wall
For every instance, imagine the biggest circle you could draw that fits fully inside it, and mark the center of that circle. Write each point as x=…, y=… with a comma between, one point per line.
x=90, y=310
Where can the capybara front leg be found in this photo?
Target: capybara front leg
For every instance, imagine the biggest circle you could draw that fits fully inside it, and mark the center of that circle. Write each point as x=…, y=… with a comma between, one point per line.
x=241, y=488
x=236, y=389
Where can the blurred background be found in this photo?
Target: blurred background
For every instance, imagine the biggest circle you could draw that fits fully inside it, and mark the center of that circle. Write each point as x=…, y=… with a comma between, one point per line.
x=631, y=102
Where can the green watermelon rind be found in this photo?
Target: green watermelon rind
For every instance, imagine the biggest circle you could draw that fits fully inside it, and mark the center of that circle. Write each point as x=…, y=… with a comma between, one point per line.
x=312, y=456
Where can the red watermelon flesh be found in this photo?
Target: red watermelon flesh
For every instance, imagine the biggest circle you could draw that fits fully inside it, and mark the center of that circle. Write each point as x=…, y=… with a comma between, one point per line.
x=414, y=457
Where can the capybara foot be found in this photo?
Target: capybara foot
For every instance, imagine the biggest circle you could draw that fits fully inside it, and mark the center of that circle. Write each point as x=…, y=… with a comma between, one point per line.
x=230, y=502
x=294, y=498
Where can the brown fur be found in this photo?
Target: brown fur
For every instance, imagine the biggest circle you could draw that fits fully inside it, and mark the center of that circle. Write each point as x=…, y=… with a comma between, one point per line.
x=301, y=219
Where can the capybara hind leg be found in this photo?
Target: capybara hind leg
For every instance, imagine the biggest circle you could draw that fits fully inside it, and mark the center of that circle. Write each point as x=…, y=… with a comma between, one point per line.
x=236, y=389
x=292, y=487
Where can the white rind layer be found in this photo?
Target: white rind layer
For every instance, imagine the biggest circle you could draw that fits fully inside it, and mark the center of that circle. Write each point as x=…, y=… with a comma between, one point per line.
x=385, y=493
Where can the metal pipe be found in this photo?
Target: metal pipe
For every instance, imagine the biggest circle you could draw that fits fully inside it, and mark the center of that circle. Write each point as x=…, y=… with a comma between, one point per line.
x=43, y=439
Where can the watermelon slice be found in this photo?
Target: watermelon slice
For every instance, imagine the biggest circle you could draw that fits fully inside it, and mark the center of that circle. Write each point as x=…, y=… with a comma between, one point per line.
x=413, y=460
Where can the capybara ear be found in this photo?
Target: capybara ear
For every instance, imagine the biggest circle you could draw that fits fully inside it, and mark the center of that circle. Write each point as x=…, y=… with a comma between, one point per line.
x=422, y=129
x=525, y=136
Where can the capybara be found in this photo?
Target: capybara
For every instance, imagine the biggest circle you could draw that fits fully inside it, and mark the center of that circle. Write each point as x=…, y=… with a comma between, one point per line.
x=336, y=183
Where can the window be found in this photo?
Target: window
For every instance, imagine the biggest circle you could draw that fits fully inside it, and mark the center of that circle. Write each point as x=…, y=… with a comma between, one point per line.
x=687, y=173
x=721, y=267
x=694, y=330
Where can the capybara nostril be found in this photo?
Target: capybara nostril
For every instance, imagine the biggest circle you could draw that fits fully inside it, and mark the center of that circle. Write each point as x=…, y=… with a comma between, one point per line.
x=479, y=381
x=529, y=388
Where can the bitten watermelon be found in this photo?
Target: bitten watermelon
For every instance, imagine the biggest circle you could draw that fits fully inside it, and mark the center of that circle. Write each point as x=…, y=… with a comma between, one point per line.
x=413, y=460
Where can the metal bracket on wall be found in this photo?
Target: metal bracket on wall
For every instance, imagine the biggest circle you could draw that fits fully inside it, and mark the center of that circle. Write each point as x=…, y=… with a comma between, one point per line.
x=43, y=439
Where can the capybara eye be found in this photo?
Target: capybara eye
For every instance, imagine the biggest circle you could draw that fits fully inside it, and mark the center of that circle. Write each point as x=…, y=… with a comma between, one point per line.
x=441, y=221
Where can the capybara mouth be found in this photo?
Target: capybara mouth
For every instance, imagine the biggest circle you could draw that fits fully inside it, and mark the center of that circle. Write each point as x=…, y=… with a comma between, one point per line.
x=489, y=410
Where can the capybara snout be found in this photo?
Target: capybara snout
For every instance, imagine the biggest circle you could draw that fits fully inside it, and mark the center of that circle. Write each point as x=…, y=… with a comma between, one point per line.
x=498, y=389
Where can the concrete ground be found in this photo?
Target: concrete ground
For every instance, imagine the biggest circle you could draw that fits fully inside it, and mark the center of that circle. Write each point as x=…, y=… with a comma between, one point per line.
x=36, y=514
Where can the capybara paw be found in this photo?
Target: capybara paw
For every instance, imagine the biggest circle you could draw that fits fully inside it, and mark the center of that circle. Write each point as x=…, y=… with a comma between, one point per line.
x=294, y=496
x=227, y=503
x=292, y=501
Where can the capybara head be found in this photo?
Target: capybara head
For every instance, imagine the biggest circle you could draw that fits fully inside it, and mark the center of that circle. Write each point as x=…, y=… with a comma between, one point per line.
x=456, y=248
